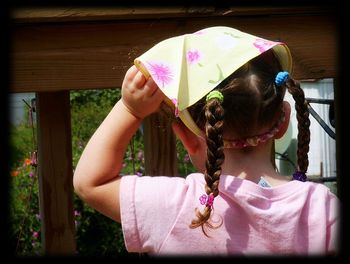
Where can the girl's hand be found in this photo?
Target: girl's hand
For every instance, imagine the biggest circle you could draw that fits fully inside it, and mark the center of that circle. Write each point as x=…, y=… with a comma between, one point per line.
x=141, y=96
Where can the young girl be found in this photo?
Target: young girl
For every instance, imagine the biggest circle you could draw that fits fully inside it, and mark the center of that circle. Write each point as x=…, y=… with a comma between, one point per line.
x=237, y=203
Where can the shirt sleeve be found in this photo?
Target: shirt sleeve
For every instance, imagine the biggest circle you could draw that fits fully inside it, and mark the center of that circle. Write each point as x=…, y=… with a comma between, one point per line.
x=149, y=208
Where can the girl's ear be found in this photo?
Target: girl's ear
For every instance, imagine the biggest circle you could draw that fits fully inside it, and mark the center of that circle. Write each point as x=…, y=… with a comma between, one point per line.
x=187, y=137
x=284, y=126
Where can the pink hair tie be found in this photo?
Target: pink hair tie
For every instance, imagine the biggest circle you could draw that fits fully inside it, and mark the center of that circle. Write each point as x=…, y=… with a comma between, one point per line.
x=255, y=140
x=208, y=200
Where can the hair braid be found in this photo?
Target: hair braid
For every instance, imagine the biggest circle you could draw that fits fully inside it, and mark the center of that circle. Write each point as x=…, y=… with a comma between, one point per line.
x=214, y=114
x=301, y=107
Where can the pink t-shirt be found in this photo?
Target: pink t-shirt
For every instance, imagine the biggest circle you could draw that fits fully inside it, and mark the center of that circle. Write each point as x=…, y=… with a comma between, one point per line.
x=293, y=218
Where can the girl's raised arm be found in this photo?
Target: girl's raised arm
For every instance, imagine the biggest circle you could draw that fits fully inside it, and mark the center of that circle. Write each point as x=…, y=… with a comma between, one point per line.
x=96, y=178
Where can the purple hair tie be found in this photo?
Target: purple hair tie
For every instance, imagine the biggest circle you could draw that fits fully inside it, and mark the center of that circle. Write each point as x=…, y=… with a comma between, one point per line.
x=281, y=78
x=299, y=176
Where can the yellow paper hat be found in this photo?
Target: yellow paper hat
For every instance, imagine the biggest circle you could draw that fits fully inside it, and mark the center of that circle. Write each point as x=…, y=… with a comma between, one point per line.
x=187, y=67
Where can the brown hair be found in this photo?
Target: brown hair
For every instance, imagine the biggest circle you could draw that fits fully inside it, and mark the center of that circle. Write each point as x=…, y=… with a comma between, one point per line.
x=251, y=101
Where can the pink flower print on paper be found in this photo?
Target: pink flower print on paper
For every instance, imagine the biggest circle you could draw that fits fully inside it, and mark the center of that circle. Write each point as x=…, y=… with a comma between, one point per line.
x=199, y=32
x=263, y=45
x=161, y=73
x=193, y=56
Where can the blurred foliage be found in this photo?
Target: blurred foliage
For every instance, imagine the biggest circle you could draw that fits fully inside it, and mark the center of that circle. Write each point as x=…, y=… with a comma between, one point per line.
x=24, y=210
x=21, y=142
x=88, y=109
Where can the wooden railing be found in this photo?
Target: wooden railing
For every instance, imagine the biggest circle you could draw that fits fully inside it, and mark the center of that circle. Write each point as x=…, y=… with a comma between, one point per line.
x=62, y=49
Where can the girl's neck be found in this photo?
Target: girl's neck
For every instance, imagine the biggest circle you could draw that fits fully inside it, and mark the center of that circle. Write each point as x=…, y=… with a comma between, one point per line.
x=251, y=164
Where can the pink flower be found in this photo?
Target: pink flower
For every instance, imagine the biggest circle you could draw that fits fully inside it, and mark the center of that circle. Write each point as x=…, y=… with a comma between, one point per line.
x=76, y=213
x=193, y=56
x=34, y=159
x=140, y=155
x=263, y=45
x=161, y=73
x=186, y=158
x=35, y=234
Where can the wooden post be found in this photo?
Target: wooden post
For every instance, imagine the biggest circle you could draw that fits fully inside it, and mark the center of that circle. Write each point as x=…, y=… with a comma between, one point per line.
x=160, y=146
x=55, y=173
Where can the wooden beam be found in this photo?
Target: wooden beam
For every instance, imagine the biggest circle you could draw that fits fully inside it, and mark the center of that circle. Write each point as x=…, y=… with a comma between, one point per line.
x=68, y=14
x=160, y=146
x=69, y=56
x=55, y=173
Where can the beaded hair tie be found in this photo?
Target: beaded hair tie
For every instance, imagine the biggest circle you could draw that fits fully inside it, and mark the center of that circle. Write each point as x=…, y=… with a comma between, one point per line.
x=255, y=140
x=207, y=200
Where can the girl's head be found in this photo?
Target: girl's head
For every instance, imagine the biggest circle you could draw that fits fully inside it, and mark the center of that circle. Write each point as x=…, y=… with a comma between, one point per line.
x=250, y=112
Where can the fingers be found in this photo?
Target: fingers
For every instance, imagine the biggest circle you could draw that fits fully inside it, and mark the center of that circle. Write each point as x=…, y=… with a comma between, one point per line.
x=131, y=73
x=150, y=87
x=139, y=80
x=134, y=78
x=158, y=96
x=138, y=91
